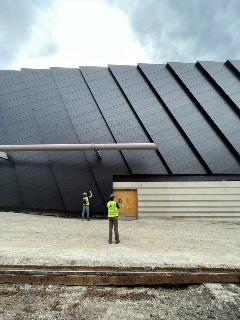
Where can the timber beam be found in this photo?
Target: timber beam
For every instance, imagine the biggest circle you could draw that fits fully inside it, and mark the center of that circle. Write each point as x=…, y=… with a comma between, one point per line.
x=100, y=276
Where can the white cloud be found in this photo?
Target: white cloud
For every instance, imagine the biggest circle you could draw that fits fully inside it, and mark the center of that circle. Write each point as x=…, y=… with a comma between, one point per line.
x=80, y=32
x=68, y=33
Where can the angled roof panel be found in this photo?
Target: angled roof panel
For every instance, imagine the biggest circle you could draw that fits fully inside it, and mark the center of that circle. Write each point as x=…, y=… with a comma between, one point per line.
x=175, y=98
x=235, y=65
x=225, y=79
x=203, y=91
x=161, y=127
x=121, y=120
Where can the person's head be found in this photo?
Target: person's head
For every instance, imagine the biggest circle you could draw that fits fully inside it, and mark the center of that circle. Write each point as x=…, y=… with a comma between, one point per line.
x=112, y=196
x=84, y=194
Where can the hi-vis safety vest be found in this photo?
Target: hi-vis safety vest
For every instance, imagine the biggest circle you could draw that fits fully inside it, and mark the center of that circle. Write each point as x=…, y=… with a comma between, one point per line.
x=112, y=209
x=85, y=201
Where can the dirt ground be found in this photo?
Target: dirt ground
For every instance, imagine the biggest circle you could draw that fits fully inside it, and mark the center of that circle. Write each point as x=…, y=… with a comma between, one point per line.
x=207, y=301
x=47, y=240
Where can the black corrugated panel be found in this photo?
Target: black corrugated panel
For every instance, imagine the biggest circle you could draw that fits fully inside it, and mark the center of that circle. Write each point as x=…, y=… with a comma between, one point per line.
x=220, y=112
x=122, y=121
x=224, y=78
x=203, y=137
x=72, y=173
x=34, y=172
x=156, y=120
x=90, y=127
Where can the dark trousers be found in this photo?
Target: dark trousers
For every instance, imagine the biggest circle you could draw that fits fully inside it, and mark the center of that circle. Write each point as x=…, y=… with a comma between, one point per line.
x=113, y=222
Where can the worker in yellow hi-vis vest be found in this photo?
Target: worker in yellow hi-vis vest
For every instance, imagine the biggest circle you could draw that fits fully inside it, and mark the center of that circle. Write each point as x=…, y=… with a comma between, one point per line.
x=86, y=205
x=113, y=207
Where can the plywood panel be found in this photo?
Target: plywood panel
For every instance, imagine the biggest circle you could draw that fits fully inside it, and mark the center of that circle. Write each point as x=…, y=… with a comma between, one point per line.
x=128, y=202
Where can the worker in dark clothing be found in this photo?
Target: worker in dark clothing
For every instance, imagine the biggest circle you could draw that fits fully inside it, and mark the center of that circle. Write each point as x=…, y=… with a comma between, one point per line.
x=86, y=205
x=113, y=207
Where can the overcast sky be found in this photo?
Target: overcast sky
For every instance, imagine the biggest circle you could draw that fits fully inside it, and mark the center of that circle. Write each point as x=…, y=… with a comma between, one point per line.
x=69, y=33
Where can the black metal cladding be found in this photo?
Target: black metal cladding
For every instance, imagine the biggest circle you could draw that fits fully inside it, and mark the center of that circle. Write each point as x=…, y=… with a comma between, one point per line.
x=182, y=110
x=122, y=122
x=157, y=122
x=90, y=127
x=10, y=193
x=204, y=138
x=33, y=170
x=225, y=79
x=71, y=170
x=221, y=113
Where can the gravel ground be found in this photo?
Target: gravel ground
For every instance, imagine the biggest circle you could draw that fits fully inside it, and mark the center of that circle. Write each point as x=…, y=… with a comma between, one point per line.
x=47, y=240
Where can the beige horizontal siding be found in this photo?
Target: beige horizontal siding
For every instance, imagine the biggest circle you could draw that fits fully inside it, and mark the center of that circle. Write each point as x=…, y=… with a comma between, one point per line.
x=196, y=214
x=194, y=190
x=197, y=184
x=187, y=204
x=175, y=209
x=189, y=199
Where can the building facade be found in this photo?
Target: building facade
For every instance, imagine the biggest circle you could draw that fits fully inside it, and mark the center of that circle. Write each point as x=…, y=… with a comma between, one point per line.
x=191, y=111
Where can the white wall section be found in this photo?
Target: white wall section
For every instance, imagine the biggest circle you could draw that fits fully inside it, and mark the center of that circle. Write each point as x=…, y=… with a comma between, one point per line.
x=215, y=199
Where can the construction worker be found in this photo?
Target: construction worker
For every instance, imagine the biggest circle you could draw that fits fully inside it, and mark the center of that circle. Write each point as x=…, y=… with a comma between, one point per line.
x=113, y=207
x=86, y=205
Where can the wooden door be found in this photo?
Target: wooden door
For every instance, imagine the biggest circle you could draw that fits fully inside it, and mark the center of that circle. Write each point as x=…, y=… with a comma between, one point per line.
x=128, y=202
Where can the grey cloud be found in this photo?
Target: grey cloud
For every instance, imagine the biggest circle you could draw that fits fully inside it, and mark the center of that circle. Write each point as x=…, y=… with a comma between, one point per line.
x=185, y=30
x=47, y=48
x=17, y=18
